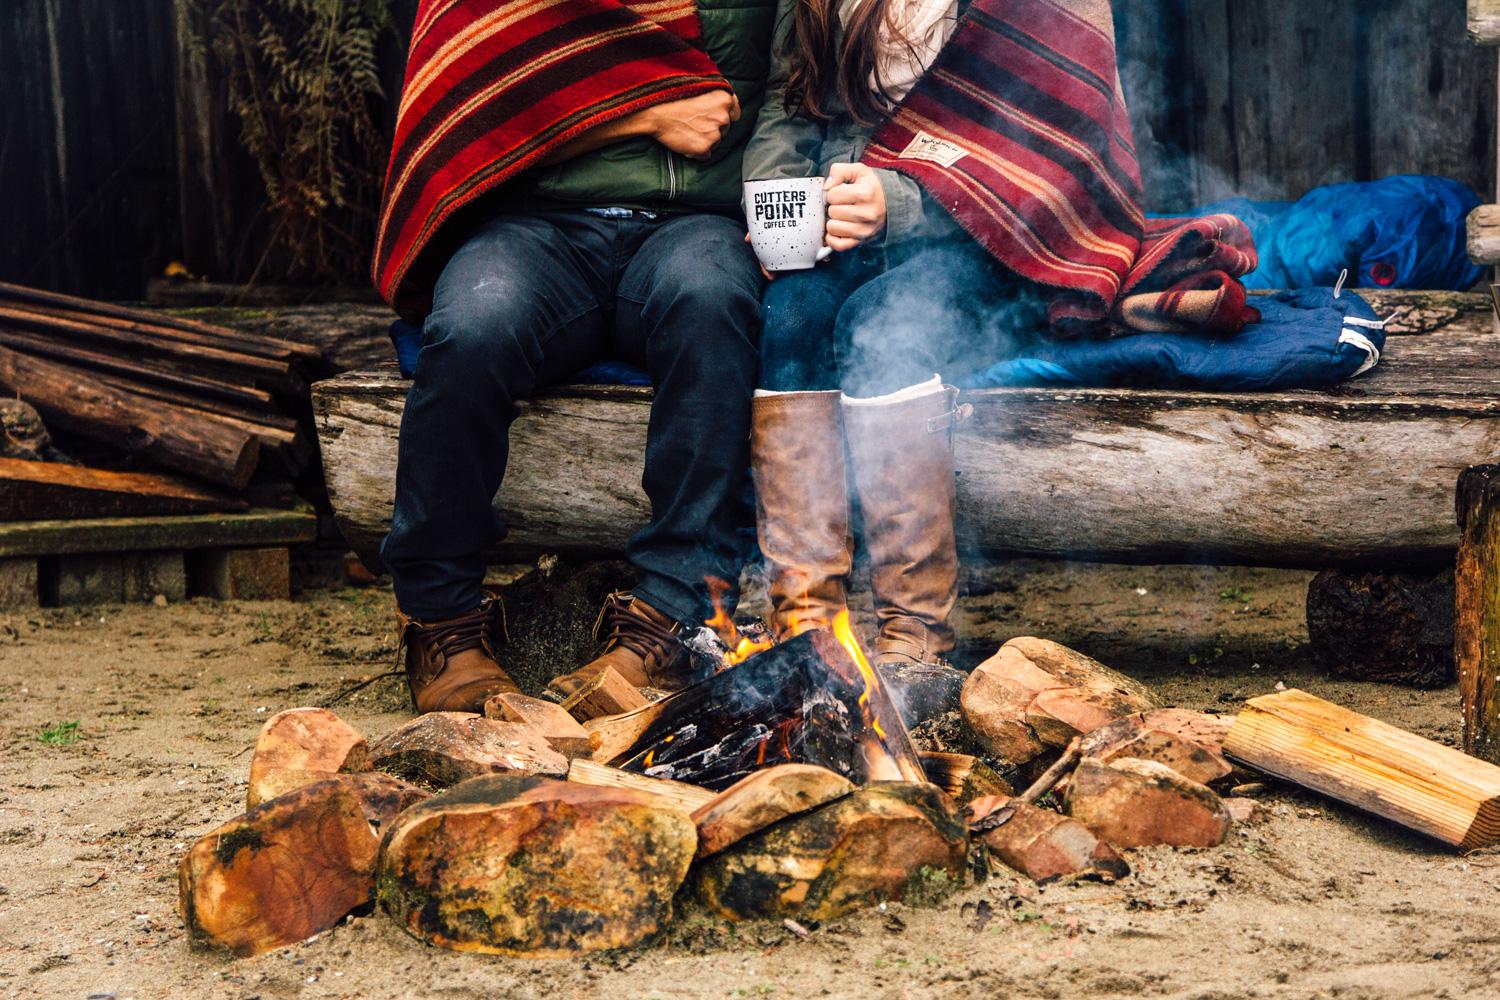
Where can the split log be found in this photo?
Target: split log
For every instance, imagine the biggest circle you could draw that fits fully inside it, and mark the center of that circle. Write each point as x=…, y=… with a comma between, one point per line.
x=1484, y=28
x=534, y=868
x=1484, y=221
x=1141, y=803
x=923, y=691
x=612, y=736
x=198, y=445
x=607, y=694
x=1134, y=736
x=443, y=748
x=31, y=490
x=763, y=798
x=1203, y=728
x=1476, y=641
x=1035, y=695
x=24, y=436
x=670, y=794
x=1042, y=845
x=549, y=721
x=882, y=842
x=1392, y=627
x=1371, y=765
x=962, y=776
x=284, y=871
x=300, y=746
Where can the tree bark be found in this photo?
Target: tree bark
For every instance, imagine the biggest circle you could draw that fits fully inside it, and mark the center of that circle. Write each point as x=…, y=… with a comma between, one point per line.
x=1476, y=640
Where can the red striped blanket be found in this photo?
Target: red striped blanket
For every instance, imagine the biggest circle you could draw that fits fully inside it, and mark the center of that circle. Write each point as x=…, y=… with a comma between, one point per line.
x=495, y=86
x=1019, y=129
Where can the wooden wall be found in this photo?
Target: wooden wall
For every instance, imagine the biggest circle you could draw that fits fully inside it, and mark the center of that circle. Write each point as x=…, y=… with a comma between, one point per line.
x=117, y=157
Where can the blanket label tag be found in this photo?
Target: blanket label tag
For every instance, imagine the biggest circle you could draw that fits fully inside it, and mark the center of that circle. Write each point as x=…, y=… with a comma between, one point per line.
x=930, y=147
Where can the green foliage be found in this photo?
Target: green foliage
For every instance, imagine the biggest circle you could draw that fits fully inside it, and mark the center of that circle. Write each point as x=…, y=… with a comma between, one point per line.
x=302, y=79
x=59, y=734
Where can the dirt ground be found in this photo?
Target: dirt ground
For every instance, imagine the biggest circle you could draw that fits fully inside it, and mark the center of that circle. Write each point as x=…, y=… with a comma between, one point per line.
x=1315, y=901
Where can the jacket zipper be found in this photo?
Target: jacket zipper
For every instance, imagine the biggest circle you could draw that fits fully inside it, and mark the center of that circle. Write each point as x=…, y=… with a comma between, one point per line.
x=671, y=177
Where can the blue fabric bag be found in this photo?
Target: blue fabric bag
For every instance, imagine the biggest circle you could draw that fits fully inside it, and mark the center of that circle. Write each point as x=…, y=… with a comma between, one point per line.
x=1306, y=339
x=1400, y=232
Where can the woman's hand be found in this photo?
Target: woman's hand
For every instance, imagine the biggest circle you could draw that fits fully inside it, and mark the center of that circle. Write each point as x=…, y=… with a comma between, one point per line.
x=856, y=206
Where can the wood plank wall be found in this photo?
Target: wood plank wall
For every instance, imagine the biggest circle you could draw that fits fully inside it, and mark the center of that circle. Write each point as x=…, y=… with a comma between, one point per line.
x=116, y=158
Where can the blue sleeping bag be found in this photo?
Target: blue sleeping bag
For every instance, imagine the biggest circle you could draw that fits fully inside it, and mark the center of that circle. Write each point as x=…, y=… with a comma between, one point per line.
x=1401, y=232
x=1306, y=339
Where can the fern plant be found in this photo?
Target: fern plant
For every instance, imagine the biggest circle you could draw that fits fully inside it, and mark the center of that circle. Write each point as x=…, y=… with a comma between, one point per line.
x=303, y=81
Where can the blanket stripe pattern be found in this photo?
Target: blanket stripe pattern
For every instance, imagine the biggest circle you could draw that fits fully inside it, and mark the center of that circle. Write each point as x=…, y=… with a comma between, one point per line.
x=495, y=86
x=1019, y=130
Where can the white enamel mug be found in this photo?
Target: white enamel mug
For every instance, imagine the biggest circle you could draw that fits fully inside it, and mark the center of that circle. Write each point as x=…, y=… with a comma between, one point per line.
x=787, y=218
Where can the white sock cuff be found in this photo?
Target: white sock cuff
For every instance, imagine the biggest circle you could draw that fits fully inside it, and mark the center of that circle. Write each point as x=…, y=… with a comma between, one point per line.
x=932, y=385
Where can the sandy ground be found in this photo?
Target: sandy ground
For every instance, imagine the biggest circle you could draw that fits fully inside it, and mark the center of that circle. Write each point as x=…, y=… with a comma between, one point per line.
x=1313, y=902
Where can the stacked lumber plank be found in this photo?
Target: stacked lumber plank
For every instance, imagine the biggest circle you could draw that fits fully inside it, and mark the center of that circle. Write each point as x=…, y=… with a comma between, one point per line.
x=179, y=395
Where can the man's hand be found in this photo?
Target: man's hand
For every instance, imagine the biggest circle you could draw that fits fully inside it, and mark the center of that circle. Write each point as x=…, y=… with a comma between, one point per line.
x=693, y=126
x=856, y=206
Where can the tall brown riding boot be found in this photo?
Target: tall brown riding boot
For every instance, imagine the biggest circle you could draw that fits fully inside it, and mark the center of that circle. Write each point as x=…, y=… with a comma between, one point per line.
x=801, y=506
x=450, y=664
x=640, y=643
x=901, y=448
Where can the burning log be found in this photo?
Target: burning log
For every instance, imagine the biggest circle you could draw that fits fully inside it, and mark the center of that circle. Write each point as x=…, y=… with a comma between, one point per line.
x=813, y=699
x=765, y=797
x=1142, y=803
x=444, y=748
x=1041, y=844
x=875, y=844
x=535, y=868
x=301, y=746
x=561, y=731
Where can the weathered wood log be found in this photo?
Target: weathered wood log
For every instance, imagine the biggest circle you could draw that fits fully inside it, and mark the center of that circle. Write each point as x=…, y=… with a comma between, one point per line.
x=1476, y=640
x=1042, y=845
x=607, y=694
x=1392, y=627
x=922, y=691
x=284, y=871
x=882, y=842
x=962, y=776
x=549, y=721
x=1484, y=28
x=669, y=794
x=255, y=527
x=1134, y=736
x=1371, y=765
x=198, y=445
x=1484, y=235
x=383, y=797
x=763, y=798
x=1202, y=728
x=1142, y=803
x=1034, y=695
x=24, y=436
x=30, y=490
x=444, y=748
x=300, y=746
x=535, y=868
x=1052, y=472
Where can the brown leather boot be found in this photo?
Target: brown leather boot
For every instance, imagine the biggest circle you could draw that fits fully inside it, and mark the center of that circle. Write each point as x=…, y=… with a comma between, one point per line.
x=640, y=643
x=450, y=665
x=802, y=507
x=901, y=447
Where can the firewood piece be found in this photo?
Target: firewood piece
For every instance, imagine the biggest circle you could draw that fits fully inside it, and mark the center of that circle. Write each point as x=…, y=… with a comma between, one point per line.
x=1477, y=600
x=1393, y=627
x=606, y=694
x=962, y=776
x=383, y=797
x=878, y=843
x=525, y=866
x=1202, y=728
x=284, y=871
x=1368, y=764
x=765, y=797
x=32, y=490
x=1035, y=694
x=1134, y=736
x=674, y=794
x=300, y=746
x=200, y=445
x=1042, y=845
x=611, y=736
x=923, y=691
x=1141, y=803
x=443, y=748
x=549, y=721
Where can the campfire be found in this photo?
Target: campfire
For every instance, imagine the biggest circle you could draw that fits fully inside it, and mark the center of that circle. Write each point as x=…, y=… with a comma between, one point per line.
x=784, y=785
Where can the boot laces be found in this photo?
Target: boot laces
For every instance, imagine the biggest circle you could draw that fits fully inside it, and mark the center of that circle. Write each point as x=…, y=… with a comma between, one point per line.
x=458, y=635
x=619, y=626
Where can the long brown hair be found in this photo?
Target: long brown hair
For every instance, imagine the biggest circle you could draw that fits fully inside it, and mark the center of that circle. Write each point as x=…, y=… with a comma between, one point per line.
x=821, y=66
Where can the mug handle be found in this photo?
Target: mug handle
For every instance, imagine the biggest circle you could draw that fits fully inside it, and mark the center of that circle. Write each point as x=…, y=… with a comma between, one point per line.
x=824, y=253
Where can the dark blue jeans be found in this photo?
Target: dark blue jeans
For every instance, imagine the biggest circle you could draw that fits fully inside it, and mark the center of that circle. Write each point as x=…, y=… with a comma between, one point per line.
x=871, y=321
x=528, y=300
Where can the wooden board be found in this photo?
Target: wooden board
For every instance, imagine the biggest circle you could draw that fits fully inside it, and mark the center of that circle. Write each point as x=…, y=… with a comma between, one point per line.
x=261, y=527
x=1484, y=234
x=1371, y=765
x=1359, y=476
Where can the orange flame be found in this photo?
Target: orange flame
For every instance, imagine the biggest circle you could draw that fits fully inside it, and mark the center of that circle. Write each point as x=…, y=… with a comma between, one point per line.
x=844, y=633
x=741, y=648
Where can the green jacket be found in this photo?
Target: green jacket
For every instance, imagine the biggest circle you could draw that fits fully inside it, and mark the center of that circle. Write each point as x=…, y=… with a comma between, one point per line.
x=787, y=146
x=642, y=173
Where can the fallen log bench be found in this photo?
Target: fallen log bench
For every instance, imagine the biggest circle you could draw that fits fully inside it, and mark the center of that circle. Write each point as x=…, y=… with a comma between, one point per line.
x=1359, y=476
